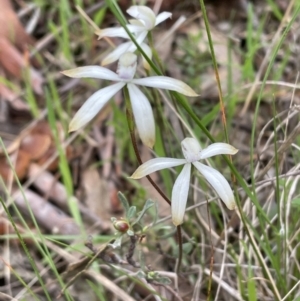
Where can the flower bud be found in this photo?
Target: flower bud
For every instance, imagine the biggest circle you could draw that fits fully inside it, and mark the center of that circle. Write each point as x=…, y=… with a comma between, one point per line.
x=121, y=226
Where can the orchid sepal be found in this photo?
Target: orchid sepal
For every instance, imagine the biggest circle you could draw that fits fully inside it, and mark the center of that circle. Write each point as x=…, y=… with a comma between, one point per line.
x=112, y=32
x=154, y=165
x=219, y=184
x=180, y=193
x=218, y=149
x=164, y=82
x=143, y=115
x=116, y=53
x=91, y=72
x=162, y=17
x=93, y=105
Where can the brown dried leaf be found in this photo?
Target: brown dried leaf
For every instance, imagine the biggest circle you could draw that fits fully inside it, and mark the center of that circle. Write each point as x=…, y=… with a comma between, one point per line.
x=41, y=137
x=20, y=161
x=11, y=27
x=35, y=145
x=32, y=145
x=13, y=44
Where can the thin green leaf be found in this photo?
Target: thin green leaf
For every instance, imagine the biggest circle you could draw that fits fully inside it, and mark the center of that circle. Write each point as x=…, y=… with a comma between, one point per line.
x=131, y=213
x=123, y=201
x=149, y=204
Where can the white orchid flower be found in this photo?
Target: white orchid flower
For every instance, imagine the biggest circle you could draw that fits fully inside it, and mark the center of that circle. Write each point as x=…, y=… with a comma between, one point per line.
x=145, y=20
x=141, y=107
x=192, y=153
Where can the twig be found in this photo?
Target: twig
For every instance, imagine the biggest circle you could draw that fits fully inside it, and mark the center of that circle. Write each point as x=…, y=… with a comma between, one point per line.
x=129, y=255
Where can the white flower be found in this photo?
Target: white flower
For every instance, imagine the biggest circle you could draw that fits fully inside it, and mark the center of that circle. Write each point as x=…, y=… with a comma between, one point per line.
x=192, y=153
x=141, y=107
x=145, y=20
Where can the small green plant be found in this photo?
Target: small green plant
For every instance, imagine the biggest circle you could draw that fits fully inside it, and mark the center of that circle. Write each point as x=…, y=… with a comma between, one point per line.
x=131, y=224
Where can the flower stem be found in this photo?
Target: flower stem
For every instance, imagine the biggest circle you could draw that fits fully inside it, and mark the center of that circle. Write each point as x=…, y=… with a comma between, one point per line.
x=179, y=240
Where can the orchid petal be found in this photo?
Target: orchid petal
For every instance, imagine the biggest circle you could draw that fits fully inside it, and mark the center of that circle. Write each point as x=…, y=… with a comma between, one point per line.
x=116, y=53
x=154, y=165
x=141, y=37
x=121, y=49
x=132, y=47
x=143, y=14
x=218, y=149
x=139, y=40
x=148, y=52
x=180, y=194
x=92, y=72
x=218, y=183
x=143, y=115
x=112, y=32
x=164, y=82
x=162, y=17
x=93, y=105
x=120, y=31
